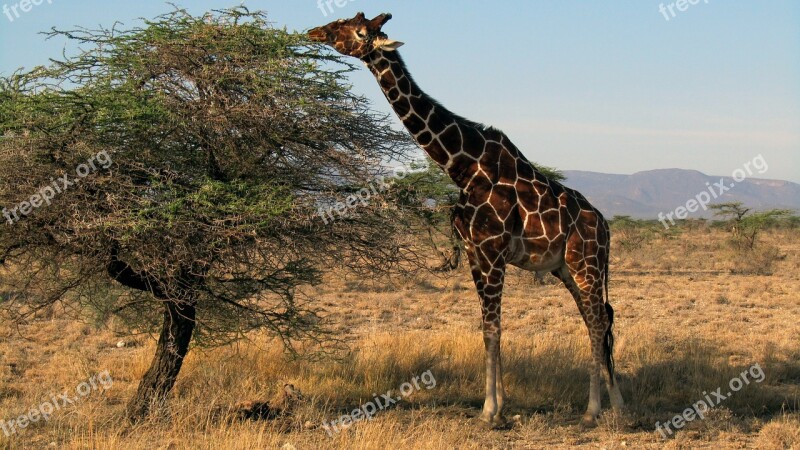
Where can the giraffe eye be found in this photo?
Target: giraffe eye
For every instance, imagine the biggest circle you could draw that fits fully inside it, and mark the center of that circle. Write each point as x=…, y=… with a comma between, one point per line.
x=362, y=34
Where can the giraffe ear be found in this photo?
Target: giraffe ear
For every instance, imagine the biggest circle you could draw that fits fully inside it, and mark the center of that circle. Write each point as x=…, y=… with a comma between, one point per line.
x=391, y=45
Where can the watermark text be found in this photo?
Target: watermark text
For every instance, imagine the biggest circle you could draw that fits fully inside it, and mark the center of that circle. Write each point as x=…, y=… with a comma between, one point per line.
x=380, y=403
x=710, y=400
x=58, y=185
x=21, y=6
x=680, y=5
x=713, y=191
x=99, y=382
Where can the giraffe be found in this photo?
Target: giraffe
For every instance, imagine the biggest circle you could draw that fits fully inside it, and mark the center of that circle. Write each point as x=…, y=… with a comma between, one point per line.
x=508, y=213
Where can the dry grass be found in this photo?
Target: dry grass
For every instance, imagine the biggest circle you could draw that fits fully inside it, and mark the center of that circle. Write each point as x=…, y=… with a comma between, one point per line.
x=689, y=320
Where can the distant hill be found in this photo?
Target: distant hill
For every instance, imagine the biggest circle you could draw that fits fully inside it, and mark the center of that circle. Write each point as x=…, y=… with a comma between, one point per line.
x=645, y=194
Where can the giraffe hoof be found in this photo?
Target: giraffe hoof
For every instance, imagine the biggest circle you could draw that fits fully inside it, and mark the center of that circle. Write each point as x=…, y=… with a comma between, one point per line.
x=588, y=421
x=496, y=422
x=500, y=422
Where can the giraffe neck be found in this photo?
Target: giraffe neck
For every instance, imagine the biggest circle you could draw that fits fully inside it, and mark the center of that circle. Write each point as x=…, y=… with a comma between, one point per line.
x=454, y=143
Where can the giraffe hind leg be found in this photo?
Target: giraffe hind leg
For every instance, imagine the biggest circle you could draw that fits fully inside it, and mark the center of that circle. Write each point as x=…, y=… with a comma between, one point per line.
x=598, y=317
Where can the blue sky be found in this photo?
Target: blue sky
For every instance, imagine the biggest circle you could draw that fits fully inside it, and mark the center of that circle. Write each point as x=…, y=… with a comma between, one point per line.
x=605, y=86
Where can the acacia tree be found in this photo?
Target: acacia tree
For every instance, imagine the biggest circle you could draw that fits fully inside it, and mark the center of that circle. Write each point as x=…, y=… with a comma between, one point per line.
x=199, y=150
x=745, y=224
x=733, y=211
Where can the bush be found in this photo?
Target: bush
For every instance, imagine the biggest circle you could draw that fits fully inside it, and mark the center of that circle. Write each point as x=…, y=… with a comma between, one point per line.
x=756, y=261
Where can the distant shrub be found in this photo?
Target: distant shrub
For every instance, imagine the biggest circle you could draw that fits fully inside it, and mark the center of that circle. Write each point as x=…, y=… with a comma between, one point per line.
x=633, y=234
x=756, y=261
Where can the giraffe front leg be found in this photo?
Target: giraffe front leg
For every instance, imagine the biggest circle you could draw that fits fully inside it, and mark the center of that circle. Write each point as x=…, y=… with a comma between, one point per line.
x=495, y=393
x=491, y=340
x=489, y=282
x=500, y=393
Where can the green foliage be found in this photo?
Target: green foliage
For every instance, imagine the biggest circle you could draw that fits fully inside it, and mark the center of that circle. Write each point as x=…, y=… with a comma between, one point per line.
x=225, y=136
x=426, y=188
x=428, y=193
x=551, y=172
x=746, y=224
x=791, y=223
x=249, y=206
x=751, y=225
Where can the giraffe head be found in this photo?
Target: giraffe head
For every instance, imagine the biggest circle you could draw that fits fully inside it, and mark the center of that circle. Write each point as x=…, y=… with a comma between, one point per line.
x=357, y=37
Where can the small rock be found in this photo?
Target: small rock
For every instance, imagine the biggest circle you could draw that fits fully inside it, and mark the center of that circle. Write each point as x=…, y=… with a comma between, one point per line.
x=120, y=344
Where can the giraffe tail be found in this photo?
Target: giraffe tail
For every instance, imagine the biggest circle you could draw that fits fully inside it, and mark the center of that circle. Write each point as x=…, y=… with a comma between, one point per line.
x=608, y=340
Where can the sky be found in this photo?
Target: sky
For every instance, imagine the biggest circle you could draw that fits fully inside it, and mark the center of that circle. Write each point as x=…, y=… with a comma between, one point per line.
x=615, y=87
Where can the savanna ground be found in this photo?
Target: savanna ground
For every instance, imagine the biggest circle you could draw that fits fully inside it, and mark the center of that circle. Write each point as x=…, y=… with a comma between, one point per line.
x=692, y=313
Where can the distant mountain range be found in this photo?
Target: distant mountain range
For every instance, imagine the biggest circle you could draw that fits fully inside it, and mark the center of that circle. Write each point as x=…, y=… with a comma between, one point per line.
x=645, y=194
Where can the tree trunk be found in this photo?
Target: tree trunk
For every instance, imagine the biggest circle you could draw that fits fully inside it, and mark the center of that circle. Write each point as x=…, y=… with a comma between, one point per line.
x=173, y=344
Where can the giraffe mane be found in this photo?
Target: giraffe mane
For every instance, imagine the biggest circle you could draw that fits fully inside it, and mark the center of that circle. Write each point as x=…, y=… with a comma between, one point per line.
x=458, y=118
